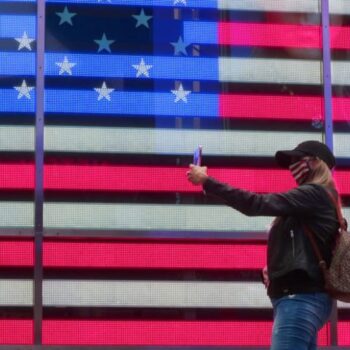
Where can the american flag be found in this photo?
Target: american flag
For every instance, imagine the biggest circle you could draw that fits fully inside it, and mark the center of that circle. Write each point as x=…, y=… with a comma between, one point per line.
x=134, y=254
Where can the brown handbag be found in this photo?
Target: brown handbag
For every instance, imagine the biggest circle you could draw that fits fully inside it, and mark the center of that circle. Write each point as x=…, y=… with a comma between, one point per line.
x=337, y=276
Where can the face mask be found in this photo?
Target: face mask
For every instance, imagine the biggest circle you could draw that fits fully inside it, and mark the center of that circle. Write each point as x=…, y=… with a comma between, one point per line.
x=300, y=170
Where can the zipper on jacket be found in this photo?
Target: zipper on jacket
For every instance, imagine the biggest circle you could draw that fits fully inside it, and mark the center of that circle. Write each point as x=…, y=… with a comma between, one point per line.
x=293, y=245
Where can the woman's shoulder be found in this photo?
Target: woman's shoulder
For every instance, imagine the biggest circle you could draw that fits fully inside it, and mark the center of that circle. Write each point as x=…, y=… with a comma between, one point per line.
x=321, y=192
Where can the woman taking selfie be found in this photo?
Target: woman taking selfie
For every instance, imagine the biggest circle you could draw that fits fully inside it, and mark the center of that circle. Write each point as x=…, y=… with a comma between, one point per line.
x=293, y=278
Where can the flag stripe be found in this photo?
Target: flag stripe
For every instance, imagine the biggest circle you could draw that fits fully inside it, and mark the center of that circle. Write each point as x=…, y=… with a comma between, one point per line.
x=274, y=71
x=16, y=331
x=231, y=106
x=343, y=333
x=16, y=253
x=143, y=218
x=151, y=141
x=296, y=108
x=25, y=23
x=155, y=179
x=93, y=332
x=159, y=294
x=17, y=63
x=16, y=292
x=271, y=107
x=145, y=178
x=148, y=217
x=152, y=294
x=335, y=6
x=152, y=255
x=182, y=68
x=129, y=178
x=270, y=35
x=190, y=3
x=280, y=35
x=17, y=215
x=123, y=102
x=114, y=66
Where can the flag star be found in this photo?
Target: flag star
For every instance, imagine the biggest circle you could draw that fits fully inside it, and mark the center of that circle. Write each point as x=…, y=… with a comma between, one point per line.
x=180, y=2
x=66, y=16
x=23, y=90
x=65, y=66
x=181, y=94
x=142, y=68
x=142, y=19
x=179, y=47
x=24, y=42
x=104, y=43
x=104, y=92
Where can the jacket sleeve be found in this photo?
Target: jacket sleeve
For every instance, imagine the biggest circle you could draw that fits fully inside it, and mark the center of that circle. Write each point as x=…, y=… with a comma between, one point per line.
x=302, y=200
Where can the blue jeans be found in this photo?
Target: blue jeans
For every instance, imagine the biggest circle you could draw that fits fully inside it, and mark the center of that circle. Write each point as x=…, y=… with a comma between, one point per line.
x=297, y=319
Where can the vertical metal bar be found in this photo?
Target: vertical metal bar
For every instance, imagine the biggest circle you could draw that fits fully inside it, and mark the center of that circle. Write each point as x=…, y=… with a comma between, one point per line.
x=327, y=77
x=327, y=91
x=39, y=169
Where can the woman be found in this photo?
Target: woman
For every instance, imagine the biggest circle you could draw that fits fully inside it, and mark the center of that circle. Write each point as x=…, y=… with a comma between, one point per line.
x=295, y=282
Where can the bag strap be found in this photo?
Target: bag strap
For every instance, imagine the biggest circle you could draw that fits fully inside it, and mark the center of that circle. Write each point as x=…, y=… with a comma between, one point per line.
x=311, y=234
x=341, y=219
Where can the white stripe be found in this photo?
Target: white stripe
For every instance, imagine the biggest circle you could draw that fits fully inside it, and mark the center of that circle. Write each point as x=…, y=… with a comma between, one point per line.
x=155, y=294
x=17, y=138
x=341, y=145
x=146, y=217
x=158, y=217
x=140, y=217
x=16, y=292
x=340, y=72
x=282, y=71
x=171, y=141
x=264, y=70
x=152, y=141
x=271, y=5
x=16, y=215
x=340, y=7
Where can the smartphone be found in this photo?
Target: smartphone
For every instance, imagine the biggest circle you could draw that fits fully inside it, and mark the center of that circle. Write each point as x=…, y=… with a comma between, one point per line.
x=197, y=156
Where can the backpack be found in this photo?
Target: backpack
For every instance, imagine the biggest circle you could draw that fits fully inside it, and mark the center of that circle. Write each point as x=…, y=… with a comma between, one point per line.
x=337, y=276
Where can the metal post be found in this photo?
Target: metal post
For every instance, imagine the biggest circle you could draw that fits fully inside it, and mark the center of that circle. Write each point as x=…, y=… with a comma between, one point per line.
x=327, y=90
x=39, y=173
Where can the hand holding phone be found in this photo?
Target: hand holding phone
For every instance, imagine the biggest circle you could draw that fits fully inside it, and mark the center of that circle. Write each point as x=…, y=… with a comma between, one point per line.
x=197, y=156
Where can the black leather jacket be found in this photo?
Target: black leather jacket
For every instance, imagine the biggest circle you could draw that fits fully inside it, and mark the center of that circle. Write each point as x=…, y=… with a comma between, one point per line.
x=292, y=264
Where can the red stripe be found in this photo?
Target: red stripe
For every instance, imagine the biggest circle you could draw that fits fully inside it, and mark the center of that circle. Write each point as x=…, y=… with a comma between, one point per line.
x=181, y=333
x=131, y=178
x=280, y=35
x=298, y=108
x=16, y=332
x=343, y=333
x=271, y=107
x=16, y=253
x=270, y=35
x=153, y=255
x=17, y=176
x=340, y=37
x=135, y=178
x=153, y=179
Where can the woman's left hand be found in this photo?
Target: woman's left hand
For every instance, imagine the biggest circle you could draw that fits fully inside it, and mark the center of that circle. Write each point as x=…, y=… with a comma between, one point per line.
x=197, y=175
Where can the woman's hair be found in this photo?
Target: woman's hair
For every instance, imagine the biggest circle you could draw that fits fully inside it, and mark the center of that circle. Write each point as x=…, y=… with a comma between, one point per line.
x=320, y=174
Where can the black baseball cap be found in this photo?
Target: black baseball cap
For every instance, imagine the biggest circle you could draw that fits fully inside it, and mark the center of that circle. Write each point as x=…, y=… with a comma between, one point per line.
x=306, y=148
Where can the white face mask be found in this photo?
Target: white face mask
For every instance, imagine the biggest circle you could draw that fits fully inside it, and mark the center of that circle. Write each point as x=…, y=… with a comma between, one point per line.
x=300, y=170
